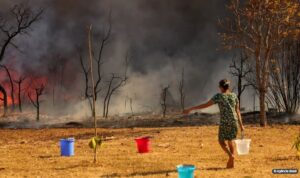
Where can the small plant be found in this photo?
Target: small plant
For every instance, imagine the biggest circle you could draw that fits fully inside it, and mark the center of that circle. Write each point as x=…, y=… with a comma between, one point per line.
x=297, y=145
x=95, y=142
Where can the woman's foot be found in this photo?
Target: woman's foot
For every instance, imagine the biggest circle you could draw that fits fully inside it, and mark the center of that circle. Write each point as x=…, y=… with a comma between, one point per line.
x=230, y=163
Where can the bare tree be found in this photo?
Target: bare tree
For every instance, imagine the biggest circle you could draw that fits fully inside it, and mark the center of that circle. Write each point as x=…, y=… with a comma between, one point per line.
x=163, y=100
x=23, y=18
x=130, y=100
x=17, y=22
x=240, y=70
x=93, y=87
x=12, y=90
x=114, y=84
x=98, y=58
x=86, y=71
x=285, y=78
x=57, y=77
x=181, y=90
x=259, y=27
x=36, y=103
x=19, y=84
x=131, y=108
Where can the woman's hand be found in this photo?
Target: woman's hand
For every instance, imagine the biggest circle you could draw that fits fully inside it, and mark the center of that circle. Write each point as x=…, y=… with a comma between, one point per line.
x=201, y=106
x=186, y=111
x=242, y=128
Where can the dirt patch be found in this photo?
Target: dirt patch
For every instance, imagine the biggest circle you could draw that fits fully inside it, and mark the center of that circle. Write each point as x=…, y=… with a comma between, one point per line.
x=35, y=152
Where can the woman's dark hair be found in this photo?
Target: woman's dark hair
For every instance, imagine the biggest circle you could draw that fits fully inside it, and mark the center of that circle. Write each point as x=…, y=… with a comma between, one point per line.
x=225, y=84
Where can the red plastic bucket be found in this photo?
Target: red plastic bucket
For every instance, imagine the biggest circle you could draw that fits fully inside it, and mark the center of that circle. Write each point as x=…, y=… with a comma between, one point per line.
x=143, y=144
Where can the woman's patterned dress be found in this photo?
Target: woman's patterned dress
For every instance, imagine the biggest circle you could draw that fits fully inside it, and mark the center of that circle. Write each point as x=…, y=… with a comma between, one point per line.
x=228, y=123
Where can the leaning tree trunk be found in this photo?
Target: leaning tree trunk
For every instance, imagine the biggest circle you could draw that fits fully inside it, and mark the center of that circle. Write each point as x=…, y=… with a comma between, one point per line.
x=11, y=89
x=107, y=104
x=107, y=108
x=5, y=104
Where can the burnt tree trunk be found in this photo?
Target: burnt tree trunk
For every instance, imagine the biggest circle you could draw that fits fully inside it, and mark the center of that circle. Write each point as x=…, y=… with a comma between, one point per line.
x=37, y=108
x=107, y=107
x=19, y=84
x=181, y=91
x=164, y=100
x=131, y=107
x=19, y=96
x=5, y=105
x=11, y=86
x=238, y=69
x=38, y=92
x=106, y=98
x=112, y=88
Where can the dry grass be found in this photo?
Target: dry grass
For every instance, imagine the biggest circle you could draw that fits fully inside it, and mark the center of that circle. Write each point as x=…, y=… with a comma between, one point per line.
x=35, y=153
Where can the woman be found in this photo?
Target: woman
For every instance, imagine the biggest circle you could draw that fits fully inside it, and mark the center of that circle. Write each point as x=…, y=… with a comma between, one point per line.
x=230, y=114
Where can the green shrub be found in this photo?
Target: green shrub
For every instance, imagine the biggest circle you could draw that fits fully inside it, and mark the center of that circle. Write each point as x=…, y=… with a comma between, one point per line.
x=95, y=142
x=297, y=145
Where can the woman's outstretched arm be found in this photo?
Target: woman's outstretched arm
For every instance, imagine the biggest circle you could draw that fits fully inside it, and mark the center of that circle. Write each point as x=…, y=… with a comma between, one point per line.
x=238, y=112
x=201, y=106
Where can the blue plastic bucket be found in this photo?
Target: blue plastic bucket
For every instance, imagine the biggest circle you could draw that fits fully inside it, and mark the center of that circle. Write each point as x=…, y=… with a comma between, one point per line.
x=186, y=171
x=67, y=147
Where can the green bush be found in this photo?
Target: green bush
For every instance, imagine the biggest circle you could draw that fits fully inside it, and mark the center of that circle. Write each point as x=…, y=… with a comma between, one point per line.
x=95, y=142
x=297, y=145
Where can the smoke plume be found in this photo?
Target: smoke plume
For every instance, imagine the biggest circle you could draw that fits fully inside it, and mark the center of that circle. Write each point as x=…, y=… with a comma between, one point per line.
x=162, y=37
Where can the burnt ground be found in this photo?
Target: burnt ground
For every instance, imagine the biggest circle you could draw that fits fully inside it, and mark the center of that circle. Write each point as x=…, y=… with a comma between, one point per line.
x=27, y=120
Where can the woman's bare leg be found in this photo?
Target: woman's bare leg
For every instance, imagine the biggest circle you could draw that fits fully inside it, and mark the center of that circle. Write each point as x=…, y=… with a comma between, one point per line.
x=228, y=151
x=232, y=150
x=230, y=155
x=231, y=147
x=224, y=147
